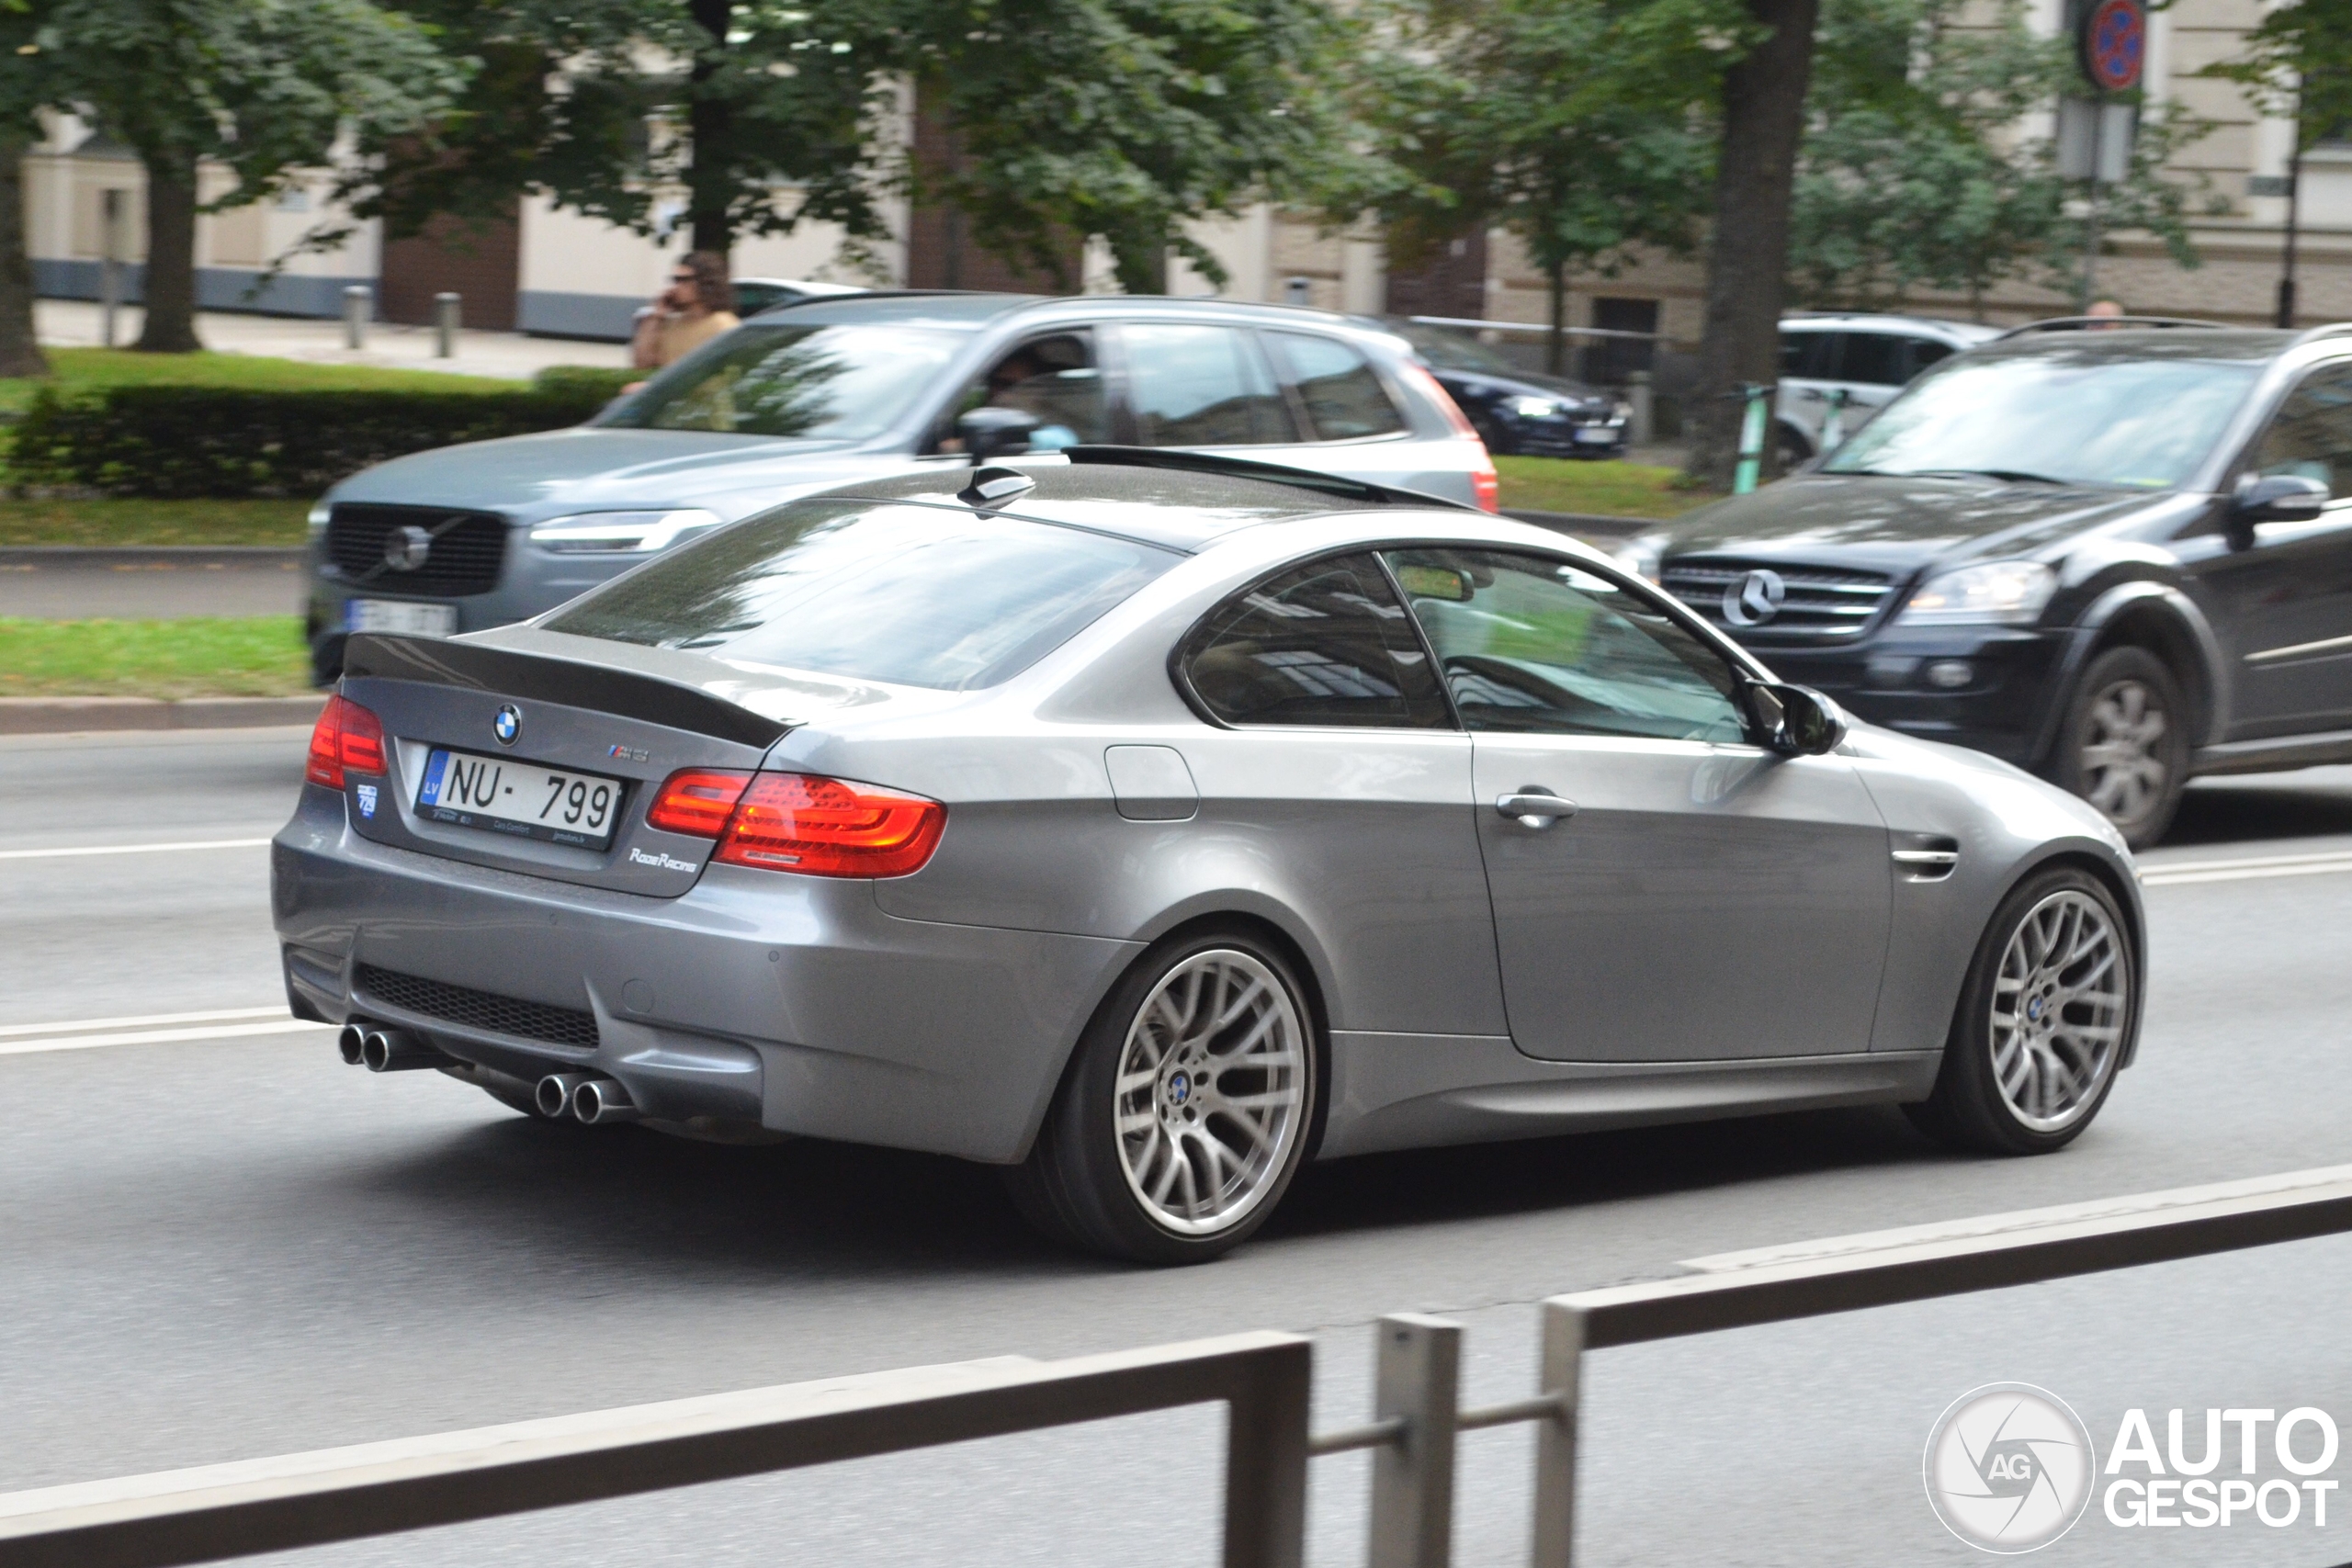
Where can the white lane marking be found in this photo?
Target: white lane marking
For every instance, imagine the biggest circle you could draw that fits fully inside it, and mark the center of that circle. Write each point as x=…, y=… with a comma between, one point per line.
x=135, y=849
x=156, y=1036
x=147, y=1020
x=2175, y=873
x=1981, y=1225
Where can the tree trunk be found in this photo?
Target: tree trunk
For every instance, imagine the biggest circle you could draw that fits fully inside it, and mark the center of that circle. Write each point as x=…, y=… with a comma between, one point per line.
x=20, y=349
x=1556, y=342
x=171, y=256
x=710, y=129
x=1747, y=256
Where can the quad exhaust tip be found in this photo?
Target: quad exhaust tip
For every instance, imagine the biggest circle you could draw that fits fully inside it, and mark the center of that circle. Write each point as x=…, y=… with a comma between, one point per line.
x=554, y=1094
x=396, y=1050
x=601, y=1100
x=351, y=1043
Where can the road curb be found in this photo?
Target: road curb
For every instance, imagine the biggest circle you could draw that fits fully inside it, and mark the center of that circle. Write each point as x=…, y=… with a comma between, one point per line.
x=67, y=716
x=89, y=557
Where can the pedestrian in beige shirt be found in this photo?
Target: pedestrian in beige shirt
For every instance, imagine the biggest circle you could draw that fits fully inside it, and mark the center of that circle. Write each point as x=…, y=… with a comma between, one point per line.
x=697, y=307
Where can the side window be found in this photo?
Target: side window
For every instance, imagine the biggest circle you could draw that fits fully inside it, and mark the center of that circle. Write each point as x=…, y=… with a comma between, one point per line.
x=1339, y=390
x=2311, y=434
x=1874, y=359
x=1536, y=645
x=1057, y=379
x=1200, y=386
x=1806, y=355
x=1926, y=351
x=1323, y=644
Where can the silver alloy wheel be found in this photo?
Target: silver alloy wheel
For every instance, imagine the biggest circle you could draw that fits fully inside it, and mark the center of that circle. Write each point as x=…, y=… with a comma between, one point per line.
x=1212, y=1091
x=2058, y=1010
x=2123, y=766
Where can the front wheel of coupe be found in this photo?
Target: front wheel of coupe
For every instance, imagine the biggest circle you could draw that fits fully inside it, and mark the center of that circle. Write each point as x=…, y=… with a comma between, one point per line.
x=1186, y=1110
x=2044, y=1018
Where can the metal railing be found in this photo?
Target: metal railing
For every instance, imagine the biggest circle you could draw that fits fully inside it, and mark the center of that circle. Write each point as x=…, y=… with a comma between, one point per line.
x=1263, y=1378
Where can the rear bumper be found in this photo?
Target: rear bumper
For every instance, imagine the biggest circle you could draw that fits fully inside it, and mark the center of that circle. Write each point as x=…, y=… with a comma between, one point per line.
x=790, y=1001
x=2001, y=706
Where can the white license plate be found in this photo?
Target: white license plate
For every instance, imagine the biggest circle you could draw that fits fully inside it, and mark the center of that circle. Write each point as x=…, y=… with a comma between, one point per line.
x=400, y=616
x=499, y=795
x=1593, y=436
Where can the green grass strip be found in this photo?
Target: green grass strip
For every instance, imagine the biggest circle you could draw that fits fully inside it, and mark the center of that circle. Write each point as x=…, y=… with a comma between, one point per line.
x=203, y=656
x=1607, y=488
x=118, y=523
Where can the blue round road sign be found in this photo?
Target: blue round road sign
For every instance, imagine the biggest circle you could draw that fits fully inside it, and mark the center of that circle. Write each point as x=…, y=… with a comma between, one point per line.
x=2115, y=44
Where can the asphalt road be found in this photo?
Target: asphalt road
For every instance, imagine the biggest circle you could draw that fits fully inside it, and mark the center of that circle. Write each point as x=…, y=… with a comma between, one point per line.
x=232, y=1246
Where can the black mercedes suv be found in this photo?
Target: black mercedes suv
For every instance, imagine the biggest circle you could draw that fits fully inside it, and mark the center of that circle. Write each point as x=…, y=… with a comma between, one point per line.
x=2120, y=557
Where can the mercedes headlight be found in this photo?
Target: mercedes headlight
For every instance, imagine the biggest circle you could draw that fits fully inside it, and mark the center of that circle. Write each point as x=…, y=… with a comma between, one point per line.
x=1535, y=408
x=1641, y=555
x=620, y=532
x=2004, y=593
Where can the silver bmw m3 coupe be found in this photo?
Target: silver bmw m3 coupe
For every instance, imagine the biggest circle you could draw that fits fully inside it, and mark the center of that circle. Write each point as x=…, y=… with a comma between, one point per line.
x=1148, y=824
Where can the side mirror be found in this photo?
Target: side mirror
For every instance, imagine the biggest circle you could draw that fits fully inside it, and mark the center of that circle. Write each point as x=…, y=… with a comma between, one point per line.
x=995, y=432
x=2273, y=498
x=1797, y=721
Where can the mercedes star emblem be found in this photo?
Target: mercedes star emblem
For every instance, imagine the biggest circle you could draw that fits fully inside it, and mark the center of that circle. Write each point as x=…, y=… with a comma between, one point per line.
x=1755, y=599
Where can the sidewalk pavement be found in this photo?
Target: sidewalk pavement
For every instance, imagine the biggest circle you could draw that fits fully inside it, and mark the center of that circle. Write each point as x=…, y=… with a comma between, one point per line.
x=74, y=323
x=76, y=715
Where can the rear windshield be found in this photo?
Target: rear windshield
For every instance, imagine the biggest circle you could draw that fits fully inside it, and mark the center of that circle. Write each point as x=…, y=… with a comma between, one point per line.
x=834, y=383
x=914, y=595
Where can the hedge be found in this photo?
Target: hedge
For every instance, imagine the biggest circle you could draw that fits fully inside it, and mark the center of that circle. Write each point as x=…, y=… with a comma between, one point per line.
x=183, y=443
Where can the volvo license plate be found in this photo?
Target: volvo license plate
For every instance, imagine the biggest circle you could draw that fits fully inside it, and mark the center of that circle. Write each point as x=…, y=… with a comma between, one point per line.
x=523, y=800
x=399, y=616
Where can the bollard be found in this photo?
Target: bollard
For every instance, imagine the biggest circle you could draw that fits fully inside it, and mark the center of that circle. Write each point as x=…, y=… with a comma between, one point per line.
x=1298, y=291
x=445, y=325
x=1643, y=395
x=110, y=268
x=357, y=299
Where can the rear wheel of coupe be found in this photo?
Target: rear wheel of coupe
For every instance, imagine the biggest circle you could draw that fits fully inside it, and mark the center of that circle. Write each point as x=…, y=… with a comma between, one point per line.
x=2043, y=1018
x=1186, y=1110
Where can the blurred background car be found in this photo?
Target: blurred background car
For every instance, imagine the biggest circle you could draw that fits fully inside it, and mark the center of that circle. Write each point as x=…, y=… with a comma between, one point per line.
x=753, y=295
x=1518, y=411
x=2120, y=559
x=852, y=387
x=1855, y=364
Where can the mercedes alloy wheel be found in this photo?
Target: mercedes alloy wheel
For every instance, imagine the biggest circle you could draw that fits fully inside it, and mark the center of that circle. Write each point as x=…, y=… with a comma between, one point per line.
x=2127, y=743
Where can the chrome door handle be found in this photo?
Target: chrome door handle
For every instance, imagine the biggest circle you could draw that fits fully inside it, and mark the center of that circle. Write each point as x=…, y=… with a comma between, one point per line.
x=1535, y=808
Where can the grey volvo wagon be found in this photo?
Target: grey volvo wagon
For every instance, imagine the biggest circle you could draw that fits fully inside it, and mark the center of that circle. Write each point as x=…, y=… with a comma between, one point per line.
x=1148, y=823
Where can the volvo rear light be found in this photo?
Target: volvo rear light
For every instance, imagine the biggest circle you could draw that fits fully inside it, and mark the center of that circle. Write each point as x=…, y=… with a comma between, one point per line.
x=821, y=827
x=347, y=738
x=696, y=801
x=1485, y=488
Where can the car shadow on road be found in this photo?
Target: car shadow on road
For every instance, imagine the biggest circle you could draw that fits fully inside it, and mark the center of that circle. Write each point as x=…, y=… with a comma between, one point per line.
x=813, y=1210
x=2311, y=804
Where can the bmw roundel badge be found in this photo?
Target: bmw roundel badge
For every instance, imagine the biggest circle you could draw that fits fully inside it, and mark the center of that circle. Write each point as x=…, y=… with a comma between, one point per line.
x=507, y=725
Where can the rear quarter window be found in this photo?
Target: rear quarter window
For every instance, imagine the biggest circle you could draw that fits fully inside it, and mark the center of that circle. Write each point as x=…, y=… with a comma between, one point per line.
x=912, y=595
x=1337, y=387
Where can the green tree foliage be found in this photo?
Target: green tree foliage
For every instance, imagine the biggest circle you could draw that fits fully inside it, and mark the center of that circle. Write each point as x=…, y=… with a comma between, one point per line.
x=262, y=87
x=1122, y=119
x=1915, y=175
x=2297, y=64
x=1579, y=126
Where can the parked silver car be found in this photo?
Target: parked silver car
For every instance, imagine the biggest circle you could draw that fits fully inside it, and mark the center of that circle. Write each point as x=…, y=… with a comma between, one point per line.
x=1148, y=824
x=808, y=396
x=1840, y=369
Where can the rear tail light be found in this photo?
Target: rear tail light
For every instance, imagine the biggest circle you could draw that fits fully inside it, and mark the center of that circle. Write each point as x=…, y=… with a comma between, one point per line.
x=821, y=827
x=696, y=801
x=347, y=739
x=1485, y=489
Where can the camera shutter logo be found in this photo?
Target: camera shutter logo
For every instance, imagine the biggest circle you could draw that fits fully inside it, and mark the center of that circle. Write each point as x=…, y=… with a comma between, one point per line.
x=1755, y=599
x=2010, y=1468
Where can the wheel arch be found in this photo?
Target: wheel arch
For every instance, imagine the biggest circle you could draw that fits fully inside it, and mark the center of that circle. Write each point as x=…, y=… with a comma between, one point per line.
x=2167, y=623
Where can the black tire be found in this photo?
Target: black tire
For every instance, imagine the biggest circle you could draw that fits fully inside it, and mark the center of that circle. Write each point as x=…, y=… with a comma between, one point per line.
x=2107, y=753
x=1077, y=1186
x=1795, y=451
x=1968, y=1109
